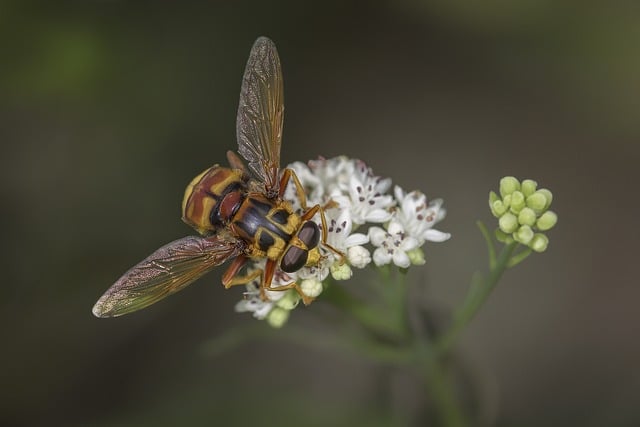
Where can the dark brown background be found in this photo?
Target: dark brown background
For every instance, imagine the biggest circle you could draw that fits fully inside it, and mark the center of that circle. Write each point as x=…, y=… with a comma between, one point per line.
x=109, y=108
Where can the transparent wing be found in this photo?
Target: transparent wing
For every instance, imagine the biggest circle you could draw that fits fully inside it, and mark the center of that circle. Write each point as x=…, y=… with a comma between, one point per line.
x=261, y=113
x=167, y=270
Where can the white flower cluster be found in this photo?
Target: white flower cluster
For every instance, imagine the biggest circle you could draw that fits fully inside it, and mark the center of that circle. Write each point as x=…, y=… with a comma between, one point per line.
x=353, y=199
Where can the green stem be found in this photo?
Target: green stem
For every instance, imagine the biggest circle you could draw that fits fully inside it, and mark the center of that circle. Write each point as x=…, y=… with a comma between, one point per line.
x=440, y=388
x=479, y=293
x=437, y=375
x=363, y=313
x=391, y=339
x=519, y=257
x=398, y=301
x=490, y=247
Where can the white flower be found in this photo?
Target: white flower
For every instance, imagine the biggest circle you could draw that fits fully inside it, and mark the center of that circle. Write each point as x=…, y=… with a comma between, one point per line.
x=339, y=236
x=417, y=217
x=351, y=197
x=366, y=198
x=253, y=303
x=358, y=256
x=312, y=185
x=319, y=271
x=392, y=245
x=334, y=174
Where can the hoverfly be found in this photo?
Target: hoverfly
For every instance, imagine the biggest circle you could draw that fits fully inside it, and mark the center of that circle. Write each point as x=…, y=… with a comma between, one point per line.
x=239, y=212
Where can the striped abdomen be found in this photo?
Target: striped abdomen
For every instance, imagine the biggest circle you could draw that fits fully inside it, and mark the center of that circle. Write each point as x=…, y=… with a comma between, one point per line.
x=212, y=198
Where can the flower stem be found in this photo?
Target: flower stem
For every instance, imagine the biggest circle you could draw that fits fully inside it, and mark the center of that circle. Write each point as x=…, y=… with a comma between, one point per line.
x=479, y=291
x=364, y=314
x=490, y=247
x=519, y=257
x=449, y=413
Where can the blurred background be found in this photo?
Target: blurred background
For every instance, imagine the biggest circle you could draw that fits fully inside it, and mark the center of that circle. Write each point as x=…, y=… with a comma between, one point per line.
x=109, y=108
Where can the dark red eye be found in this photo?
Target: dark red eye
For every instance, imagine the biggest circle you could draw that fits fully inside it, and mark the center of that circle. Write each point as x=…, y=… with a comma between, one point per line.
x=309, y=234
x=293, y=260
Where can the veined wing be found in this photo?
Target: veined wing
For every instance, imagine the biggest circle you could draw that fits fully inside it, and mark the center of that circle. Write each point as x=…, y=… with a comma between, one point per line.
x=261, y=113
x=167, y=270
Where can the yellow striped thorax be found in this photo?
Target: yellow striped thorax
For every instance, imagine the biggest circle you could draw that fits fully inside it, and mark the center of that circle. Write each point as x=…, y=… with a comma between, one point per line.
x=268, y=224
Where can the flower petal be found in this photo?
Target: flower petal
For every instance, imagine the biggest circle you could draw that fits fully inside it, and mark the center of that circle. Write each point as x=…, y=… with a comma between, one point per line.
x=436, y=236
x=378, y=215
x=377, y=235
x=395, y=227
x=381, y=257
x=356, y=239
x=401, y=259
x=409, y=243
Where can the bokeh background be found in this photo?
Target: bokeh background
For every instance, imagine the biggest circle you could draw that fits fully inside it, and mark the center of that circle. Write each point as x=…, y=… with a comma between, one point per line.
x=109, y=108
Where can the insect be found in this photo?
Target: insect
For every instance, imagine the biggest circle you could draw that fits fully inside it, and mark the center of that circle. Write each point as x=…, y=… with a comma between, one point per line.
x=239, y=212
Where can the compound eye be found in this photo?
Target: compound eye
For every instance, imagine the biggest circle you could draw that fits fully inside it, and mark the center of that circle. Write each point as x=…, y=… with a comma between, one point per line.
x=294, y=259
x=309, y=234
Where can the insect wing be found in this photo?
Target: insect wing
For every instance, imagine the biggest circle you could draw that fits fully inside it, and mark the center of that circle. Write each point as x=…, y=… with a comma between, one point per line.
x=236, y=162
x=167, y=270
x=261, y=113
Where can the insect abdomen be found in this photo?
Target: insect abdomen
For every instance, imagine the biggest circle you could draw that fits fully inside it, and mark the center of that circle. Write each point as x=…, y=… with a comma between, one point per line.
x=214, y=188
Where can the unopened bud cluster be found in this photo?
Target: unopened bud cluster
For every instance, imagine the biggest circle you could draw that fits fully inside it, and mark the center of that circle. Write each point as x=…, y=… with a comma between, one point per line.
x=523, y=213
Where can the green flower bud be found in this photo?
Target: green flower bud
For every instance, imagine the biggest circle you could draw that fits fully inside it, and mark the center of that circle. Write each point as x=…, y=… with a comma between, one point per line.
x=416, y=256
x=503, y=237
x=289, y=301
x=547, y=221
x=498, y=208
x=523, y=235
x=528, y=187
x=517, y=202
x=507, y=201
x=493, y=197
x=537, y=201
x=508, y=185
x=311, y=287
x=522, y=208
x=277, y=317
x=539, y=242
x=548, y=195
x=508, y=223
x=527, y=217
x=340, y=271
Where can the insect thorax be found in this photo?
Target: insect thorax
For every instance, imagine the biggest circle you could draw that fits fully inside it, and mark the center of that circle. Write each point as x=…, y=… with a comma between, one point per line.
x=267, y=224
x=212, y=198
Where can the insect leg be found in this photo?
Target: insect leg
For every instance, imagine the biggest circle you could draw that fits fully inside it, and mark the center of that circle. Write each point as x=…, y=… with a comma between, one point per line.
x=286, y=176
x=290, y=174
x=269, y=271
x=230, y=277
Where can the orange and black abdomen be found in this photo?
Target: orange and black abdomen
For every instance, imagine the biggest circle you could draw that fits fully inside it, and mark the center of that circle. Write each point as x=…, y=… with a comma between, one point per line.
x=212, y=199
